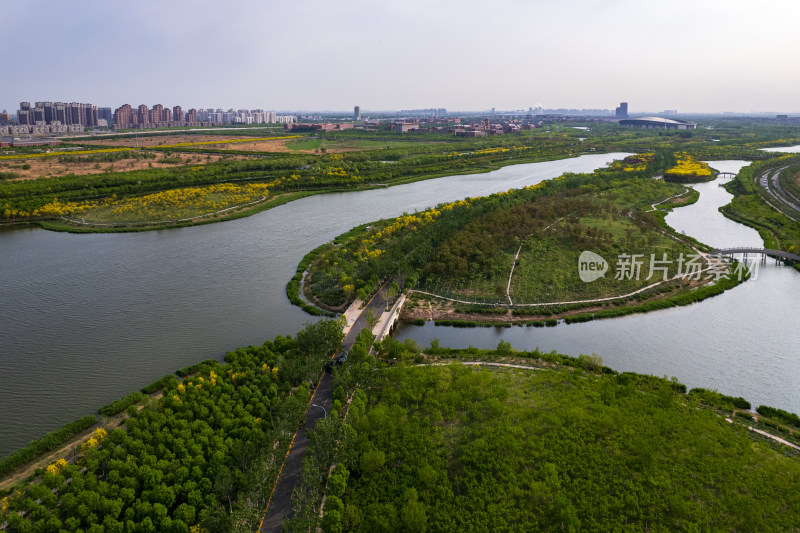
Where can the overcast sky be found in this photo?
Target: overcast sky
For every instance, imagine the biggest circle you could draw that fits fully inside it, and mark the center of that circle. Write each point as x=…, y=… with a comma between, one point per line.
x=689, y=55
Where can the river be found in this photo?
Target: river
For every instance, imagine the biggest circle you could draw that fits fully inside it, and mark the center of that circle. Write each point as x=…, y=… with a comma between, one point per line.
x=88, y=318
x=742, y=342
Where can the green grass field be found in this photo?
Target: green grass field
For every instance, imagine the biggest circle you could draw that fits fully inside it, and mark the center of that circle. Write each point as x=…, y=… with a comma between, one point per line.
x=464, y=449
x=547, y=270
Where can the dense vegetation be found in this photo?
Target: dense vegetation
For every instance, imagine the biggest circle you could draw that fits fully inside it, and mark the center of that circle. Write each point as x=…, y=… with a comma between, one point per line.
x=382, y=157
x=521, y=248
x=49, y=442
x=750, y=206
x=203, y=454
x=688, y=169
x=444, y=448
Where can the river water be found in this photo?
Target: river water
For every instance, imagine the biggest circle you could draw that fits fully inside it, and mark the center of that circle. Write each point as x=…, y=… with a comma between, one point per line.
x=742, y=342
x=88, y=318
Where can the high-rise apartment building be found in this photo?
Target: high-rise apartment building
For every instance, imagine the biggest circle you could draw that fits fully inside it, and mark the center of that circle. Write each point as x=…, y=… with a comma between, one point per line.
x=57, y=114
x=125, y=117
x=177, y=114
x=622, y=110
x=357, y=113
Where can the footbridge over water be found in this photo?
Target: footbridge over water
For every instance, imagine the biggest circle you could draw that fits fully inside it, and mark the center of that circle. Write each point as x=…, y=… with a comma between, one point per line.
x=726, y=175
x=777, y=254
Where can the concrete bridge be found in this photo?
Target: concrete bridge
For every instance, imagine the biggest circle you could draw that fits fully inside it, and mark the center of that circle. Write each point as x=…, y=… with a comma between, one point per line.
x=726, y=175
x=777, y=254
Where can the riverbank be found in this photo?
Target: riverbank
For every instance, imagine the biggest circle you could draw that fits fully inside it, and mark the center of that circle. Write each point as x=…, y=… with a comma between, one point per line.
x=68, y=226
x=46, y=200
x=97, y=313
x=751, y=207
x=606, y=212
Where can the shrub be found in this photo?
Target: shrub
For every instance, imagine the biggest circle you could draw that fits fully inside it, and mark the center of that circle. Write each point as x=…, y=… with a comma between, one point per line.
x=160, y=384
x=49, y=442
x=120, y=405
x=785, y=416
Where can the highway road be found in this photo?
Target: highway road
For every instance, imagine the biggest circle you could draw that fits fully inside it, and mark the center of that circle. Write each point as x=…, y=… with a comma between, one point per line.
x=770, y=182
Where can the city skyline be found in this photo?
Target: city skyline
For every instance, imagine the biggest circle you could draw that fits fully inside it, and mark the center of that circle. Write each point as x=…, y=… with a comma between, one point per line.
x=706, y=56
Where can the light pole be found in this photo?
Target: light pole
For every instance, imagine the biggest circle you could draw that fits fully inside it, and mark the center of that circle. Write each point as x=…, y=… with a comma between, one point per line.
x=323, y=409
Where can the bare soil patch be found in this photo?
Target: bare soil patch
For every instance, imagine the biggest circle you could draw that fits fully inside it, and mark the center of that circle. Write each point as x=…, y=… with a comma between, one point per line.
x=51, y=167
x=211, y=142
x=425, y=308
x=164, y=140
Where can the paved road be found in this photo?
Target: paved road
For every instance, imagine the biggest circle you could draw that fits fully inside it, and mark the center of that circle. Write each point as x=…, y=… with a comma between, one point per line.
x=770, y=182
x=281, y=503
x=378, y=305
x=280, y=506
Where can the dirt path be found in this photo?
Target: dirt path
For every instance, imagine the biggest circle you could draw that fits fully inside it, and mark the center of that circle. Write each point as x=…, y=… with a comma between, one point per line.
x=66, y=449
x=773, y=437
x=484, y=363
x=519, y=250
x=653, y=206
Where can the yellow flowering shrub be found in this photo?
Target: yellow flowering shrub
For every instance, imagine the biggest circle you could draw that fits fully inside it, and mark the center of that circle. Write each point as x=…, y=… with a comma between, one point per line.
x=171, y=205
x=688, y=167
x=77, y=152
x=57, y=467
x=229, y=141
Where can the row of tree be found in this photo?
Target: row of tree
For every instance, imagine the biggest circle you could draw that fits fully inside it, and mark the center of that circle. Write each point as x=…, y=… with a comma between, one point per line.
x=203, y=454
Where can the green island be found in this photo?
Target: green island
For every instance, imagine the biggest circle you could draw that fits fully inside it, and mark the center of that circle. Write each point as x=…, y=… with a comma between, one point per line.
x=433, y=438
x=514, y=257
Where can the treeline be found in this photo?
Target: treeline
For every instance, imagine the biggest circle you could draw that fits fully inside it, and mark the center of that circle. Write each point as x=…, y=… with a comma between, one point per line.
x=120, y=405
x=717, y=399
x=779, y=414
x=49, y=442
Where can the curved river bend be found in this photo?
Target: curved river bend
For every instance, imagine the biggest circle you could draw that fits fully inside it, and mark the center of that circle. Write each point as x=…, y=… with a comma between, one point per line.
x=742, y=342
x=90, y=318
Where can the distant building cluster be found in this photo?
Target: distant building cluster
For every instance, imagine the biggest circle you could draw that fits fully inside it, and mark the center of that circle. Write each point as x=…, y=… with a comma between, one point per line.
x=40, y=129
x=661, y=123
x=44, y=118
x=127, y=117
x=454, y=127
x=49, y=113
x=431, y=112
x=27, y=143
x=323, y=126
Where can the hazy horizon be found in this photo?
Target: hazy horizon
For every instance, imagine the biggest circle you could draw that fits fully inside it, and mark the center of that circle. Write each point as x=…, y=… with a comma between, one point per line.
x=698, y=57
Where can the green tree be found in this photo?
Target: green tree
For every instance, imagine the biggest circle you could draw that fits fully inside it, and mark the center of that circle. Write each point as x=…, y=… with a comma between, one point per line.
x=413, y=514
